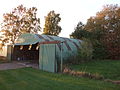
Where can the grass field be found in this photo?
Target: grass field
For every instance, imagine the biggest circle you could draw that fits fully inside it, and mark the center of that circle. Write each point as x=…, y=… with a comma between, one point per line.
x=32, y=79
x=108, y=68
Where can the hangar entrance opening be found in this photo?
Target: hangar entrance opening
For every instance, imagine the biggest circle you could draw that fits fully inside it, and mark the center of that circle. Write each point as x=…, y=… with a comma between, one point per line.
x=26, y=53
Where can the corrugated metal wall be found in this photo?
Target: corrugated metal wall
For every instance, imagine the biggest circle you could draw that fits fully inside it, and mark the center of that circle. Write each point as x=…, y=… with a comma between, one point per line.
x=51, y=55
x=47, y=59
x=69, y=46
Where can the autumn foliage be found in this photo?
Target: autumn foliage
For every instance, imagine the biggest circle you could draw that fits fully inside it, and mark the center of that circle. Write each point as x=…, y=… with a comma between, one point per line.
x=105, y=29
x=19, y=20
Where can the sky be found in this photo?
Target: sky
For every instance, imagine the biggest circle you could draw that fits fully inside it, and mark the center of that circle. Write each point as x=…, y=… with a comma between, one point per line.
x=71, y=11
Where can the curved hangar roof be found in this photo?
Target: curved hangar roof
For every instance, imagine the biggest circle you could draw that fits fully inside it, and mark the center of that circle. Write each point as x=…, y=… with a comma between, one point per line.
x=27, y=39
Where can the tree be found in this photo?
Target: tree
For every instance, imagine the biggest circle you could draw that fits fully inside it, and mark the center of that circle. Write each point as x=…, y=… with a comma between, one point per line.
x=20, y=20
x=79, y=31
x=91, y=36
x=51, y=24
x=108, y=22
x=104, y=32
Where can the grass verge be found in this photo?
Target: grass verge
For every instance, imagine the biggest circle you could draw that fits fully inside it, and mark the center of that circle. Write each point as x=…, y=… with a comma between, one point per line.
x=108, y=68
x=32, y=79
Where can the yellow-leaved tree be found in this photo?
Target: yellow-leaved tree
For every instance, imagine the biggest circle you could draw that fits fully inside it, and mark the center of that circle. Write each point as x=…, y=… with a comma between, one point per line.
x=20, y=20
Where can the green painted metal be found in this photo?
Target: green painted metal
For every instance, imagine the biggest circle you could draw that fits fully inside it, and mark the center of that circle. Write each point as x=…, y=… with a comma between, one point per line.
x=47, y=59
x=69, y=47
x=26, y=39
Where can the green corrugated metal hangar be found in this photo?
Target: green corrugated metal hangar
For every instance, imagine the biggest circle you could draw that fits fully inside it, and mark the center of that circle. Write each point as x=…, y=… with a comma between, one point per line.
x=48, y=51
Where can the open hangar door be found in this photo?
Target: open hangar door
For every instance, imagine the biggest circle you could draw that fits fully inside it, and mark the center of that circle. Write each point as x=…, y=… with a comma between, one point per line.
x=26, y=53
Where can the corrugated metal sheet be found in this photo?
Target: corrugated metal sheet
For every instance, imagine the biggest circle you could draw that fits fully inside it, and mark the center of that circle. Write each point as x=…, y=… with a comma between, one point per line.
x=70, y=46
x=47, y=59
x=26, y=39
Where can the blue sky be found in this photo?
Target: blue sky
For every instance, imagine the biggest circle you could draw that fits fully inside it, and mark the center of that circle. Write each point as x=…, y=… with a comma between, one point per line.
x=71, y=11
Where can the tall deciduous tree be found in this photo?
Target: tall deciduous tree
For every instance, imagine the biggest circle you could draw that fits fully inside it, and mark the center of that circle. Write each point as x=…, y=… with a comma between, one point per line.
x=20, y=20
x=51, y=24
x=108, y=21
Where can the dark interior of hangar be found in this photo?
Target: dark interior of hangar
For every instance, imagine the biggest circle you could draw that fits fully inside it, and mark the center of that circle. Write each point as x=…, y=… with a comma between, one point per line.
x=26, y=52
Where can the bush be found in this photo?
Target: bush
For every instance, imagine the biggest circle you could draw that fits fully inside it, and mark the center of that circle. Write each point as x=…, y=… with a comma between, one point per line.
x=85, y=53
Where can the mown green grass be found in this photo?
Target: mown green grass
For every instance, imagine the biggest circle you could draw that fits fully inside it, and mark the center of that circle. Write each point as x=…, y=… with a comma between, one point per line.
x=32, y=79
x=108, y=68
